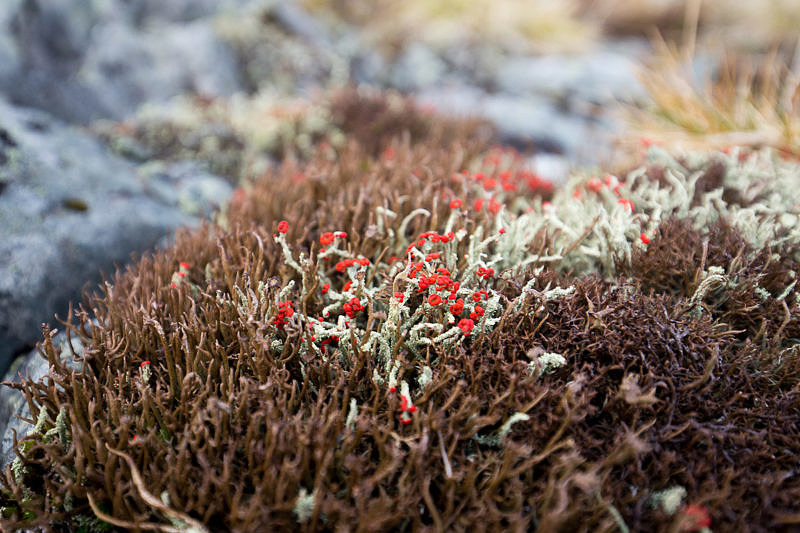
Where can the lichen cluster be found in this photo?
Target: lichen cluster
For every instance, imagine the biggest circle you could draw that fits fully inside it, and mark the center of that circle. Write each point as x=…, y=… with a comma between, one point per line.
x=420, y=333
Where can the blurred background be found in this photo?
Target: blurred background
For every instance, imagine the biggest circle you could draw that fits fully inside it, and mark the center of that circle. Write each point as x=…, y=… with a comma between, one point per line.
x=122, y=120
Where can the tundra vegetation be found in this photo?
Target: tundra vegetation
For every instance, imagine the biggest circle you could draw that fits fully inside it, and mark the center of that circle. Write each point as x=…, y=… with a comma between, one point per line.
x=409, y=329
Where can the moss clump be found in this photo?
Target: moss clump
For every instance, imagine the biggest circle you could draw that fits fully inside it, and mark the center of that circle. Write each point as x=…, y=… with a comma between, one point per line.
x=353, y=345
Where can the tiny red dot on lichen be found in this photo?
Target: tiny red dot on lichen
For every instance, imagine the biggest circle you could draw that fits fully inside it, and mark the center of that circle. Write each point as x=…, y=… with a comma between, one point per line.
x=465, y=325
x=326, y=238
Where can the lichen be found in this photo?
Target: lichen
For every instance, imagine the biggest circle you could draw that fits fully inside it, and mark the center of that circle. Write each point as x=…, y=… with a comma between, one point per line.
x=304, y=505
x=668, y=499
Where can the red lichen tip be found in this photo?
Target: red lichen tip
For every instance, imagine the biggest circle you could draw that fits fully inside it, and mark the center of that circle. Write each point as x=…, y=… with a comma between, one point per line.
x=144, y=363
x=697, y=518
x=465, y=325
x=283, y=226
x=644, y=238
x=455, y=204
x=184, y=265
x=326, y=238
x=625, y=202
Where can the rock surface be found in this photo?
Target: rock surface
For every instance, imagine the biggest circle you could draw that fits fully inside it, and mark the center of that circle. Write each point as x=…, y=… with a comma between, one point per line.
x=88, y=59
x=13, y=407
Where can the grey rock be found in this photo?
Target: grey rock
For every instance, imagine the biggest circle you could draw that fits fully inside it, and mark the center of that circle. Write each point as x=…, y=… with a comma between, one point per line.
x=417, y=67
x=528, y=118
x=68, y=210
x=185, y=185
x=600, y=77
x=144, y=12
x=83, y=60
x=283, y=49
x=13, y=406
x=52, y=35
x=300, y=24
x=156, y=64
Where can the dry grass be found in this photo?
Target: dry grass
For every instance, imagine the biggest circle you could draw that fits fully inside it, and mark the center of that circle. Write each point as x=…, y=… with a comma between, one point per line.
x=752, y=102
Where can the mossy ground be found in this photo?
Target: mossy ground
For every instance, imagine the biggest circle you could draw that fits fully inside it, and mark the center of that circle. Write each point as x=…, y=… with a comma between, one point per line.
x=411, y=331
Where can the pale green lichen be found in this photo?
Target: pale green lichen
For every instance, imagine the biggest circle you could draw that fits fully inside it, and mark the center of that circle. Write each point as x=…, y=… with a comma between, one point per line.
x=18, y=469
x=406, y=391
x=547, y=363
x=304, y=506
x=762, y=181
x=146, y=373
x=61, y=430
x=176, y=522
x=496, y=439
x=41, y=420
x=786, y=291
x=714, y=278
x=763, y=293
x=668, y=499
x=352, y=415
x=62, y=427
x=425, y=377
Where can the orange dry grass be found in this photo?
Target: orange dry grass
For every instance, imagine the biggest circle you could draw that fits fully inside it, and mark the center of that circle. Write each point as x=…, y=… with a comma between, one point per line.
x=744, y=104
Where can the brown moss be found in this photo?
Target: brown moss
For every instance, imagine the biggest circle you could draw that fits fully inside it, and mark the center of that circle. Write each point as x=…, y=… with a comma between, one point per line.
x=231, y=427
x=678, y=256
